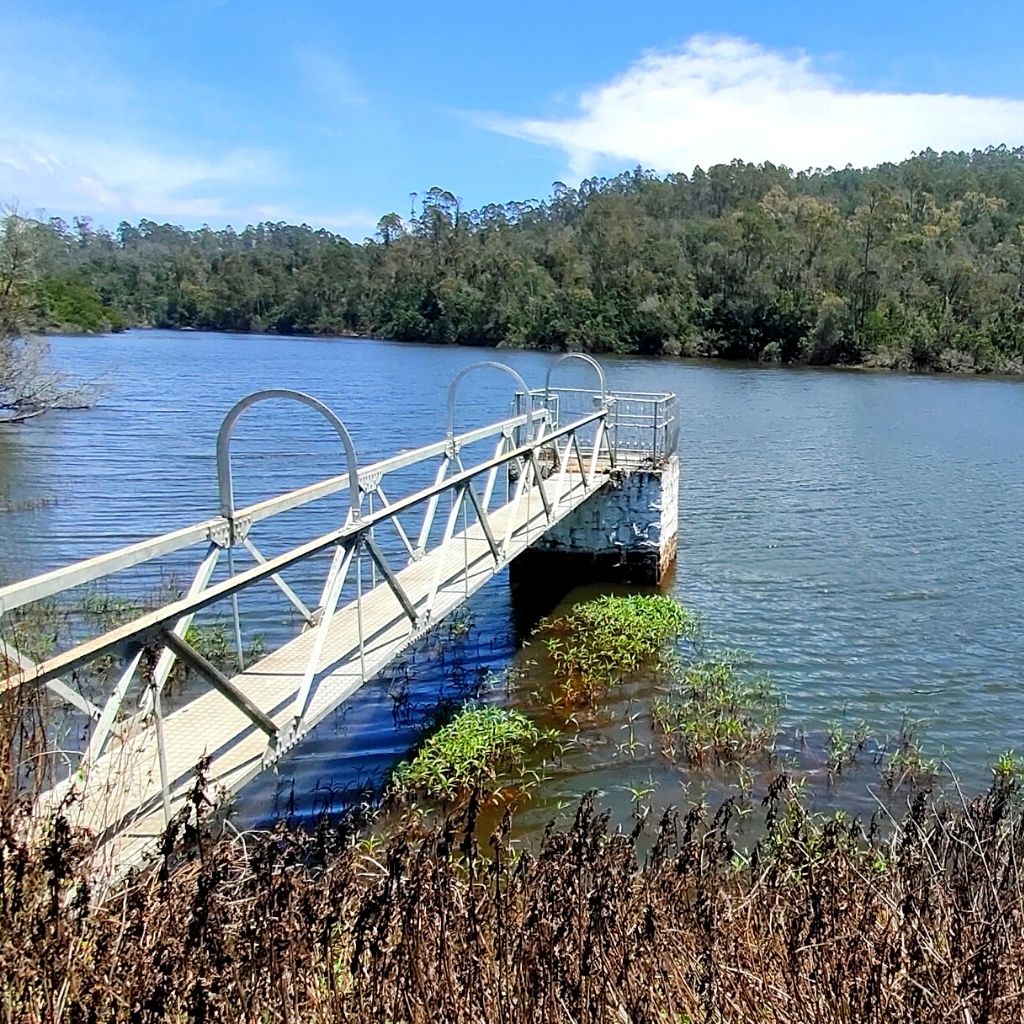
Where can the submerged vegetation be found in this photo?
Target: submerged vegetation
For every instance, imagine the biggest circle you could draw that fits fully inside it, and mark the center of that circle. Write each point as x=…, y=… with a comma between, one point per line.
x=714, y=714
x=918, y=265
x=599, y=642
x=477, y=749
x=907, y=763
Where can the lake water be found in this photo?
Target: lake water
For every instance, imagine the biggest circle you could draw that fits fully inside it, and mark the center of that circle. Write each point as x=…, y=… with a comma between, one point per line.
x=859, y=534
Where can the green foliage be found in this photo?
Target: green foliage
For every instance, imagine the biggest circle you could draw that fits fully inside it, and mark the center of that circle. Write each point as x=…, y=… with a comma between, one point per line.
x=844, y=747
x=104, y=610
x=73, y=305
x=211, y=642
x=715, y=714
x=599, y=642
x=913, y=265
x=214, y=643
x=907, y=764
x=479, y=747
x=1009, y=768
x=35, y=630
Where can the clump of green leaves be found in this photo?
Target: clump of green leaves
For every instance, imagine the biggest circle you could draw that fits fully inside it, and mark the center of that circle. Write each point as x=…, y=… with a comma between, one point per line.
x=479, y=747
x=103, y=610
x=1009, y=768
x=211, y=641
x=600, y=642
x=844, y=747
x=908, y=763
x=716, y=714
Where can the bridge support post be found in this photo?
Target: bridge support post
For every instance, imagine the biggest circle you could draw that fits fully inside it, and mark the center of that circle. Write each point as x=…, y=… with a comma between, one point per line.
x=626, y=533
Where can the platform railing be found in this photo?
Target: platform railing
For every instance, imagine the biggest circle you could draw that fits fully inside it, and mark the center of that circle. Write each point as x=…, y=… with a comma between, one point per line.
x=643, y=427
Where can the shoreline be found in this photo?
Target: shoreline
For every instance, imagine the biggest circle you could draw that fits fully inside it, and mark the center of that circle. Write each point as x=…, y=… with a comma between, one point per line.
x=954, y=372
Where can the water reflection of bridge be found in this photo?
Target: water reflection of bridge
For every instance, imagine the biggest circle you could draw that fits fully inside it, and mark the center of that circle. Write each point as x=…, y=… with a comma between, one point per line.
x=406, y=553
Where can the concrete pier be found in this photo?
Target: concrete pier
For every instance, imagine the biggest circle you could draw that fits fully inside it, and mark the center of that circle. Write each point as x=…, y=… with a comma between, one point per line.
x=627, y=533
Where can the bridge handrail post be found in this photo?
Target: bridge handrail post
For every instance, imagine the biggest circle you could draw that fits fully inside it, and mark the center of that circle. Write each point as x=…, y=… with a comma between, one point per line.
x=590, y=361
x=493, y=364
x=654, y=433
x=226, y=486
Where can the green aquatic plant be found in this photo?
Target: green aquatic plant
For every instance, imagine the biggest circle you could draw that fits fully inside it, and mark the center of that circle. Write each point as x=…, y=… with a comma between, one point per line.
x=480, y=747
x=104, y=610
x=35, y=630
x=907, y=764
x=1009, y=768
x=210, y=641
x=844, y=747
x=714, y=713
x=599, y=642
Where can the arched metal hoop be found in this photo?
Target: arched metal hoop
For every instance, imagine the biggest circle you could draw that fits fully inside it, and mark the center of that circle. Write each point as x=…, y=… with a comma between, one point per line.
x=587, y=359
x=225, y=485
x=457, y=379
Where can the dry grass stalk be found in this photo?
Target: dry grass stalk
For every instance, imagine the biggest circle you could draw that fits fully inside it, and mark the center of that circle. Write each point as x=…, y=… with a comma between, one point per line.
x=823, y=923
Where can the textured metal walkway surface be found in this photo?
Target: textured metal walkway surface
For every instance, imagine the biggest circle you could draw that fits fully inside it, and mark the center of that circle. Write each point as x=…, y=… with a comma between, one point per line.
x=121, y=798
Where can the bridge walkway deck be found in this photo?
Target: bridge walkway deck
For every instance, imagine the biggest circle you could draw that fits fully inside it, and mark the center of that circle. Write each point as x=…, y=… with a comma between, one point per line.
x=122, y=796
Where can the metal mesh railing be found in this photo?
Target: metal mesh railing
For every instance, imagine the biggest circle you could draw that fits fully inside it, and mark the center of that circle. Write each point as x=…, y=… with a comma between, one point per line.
x=643, y=427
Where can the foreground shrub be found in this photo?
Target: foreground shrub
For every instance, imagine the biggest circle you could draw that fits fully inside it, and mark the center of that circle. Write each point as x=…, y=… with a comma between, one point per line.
x=821, y=922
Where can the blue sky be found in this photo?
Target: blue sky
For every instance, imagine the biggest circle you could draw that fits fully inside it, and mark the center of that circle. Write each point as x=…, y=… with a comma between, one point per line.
x=234, y=111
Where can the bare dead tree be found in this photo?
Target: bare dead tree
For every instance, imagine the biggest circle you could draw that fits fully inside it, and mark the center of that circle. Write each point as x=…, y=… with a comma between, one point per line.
x=29, y=383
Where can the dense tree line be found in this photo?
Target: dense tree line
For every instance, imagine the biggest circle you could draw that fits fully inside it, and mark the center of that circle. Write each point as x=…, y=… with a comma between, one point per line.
x=918, y=264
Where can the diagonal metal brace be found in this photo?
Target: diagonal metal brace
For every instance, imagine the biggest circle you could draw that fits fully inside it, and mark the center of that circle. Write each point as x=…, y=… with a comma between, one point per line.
x=539, y=477
x=297, y=602
x=12, y=656
x=219, y=682
x=484, y=524
x=388, y=574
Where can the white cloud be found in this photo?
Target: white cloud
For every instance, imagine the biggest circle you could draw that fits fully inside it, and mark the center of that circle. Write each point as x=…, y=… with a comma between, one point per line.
x=80, y=135
x=124, y=178
x=719, y=98
x=70, y=174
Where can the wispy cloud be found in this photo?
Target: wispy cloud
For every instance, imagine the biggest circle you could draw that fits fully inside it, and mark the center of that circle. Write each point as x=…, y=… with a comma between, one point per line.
x=134, y=183
x=355, y=223
x=719, y=98
x=79, y=135
x=329, y=78
x=124, y=177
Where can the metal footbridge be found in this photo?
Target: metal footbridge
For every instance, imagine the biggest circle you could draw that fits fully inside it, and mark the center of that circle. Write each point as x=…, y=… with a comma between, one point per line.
x=421, y=531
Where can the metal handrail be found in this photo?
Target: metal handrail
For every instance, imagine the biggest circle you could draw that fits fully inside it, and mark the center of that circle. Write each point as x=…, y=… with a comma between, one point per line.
x=643, y=425
x=89, y=570
x=152, y=623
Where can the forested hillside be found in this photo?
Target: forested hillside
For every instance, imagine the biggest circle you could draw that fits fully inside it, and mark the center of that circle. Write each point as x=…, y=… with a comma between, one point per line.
x=918, y=264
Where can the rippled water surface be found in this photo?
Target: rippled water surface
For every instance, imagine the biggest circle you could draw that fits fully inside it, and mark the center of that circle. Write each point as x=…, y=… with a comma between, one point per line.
x=859, y=534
